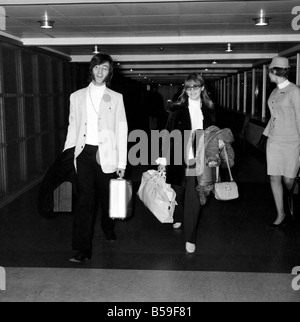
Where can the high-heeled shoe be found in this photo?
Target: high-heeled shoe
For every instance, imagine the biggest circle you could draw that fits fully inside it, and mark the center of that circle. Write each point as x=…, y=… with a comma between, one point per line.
x=276, y=226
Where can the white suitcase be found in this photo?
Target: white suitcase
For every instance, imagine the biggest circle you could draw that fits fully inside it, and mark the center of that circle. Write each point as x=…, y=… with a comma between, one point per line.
x=120, y=199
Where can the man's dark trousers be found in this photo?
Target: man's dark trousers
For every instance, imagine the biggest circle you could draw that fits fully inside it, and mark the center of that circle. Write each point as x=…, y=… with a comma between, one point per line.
x=93, y=186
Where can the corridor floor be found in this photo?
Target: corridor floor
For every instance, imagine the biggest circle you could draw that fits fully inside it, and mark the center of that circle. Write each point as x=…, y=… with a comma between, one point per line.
x=237, y=258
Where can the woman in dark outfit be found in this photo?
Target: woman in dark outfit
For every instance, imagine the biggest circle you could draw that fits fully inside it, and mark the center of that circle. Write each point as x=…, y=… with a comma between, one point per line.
x=193, y=111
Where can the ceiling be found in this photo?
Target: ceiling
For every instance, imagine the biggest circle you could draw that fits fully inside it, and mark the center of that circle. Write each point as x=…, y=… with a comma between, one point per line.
x=160, y=41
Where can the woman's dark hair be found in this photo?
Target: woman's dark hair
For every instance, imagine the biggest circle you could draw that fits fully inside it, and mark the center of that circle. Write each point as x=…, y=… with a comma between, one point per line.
x=281, y=72
x=100, y=59
x=197, y=79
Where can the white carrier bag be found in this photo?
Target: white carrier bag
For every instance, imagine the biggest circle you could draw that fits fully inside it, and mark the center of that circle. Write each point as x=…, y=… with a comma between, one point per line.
x=120, y=199
x=158, y=196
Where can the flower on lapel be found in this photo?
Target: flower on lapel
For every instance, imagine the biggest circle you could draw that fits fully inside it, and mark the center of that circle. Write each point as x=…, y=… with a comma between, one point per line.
x=106, y=98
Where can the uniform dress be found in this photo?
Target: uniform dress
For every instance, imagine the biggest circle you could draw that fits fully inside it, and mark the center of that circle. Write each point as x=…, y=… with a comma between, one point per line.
x=283, y=131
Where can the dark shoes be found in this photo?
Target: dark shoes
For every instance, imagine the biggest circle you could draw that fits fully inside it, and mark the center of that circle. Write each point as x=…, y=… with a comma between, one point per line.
x=84, y=256
x=81, y=257
x=274, y=226
x=111, y=237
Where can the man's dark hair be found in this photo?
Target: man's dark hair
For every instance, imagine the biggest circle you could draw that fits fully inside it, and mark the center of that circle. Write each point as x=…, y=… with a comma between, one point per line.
x=100, y=59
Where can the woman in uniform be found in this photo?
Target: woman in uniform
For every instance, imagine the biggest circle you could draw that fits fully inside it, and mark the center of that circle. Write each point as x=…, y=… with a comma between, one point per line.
x=283, y=132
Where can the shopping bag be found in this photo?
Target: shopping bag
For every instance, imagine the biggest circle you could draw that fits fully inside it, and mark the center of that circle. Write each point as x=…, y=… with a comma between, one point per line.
x=158, y=196
x=120, y=199
x=225, y=190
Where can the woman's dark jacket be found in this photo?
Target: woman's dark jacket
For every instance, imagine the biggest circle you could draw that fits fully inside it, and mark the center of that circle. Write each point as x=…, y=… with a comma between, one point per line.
x=179, y=119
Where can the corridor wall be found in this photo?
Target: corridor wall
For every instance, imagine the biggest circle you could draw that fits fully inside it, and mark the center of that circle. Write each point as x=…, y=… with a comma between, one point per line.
x=35, y=86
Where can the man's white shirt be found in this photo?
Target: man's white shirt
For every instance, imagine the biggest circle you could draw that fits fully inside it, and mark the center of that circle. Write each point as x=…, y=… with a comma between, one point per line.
x=93, y=101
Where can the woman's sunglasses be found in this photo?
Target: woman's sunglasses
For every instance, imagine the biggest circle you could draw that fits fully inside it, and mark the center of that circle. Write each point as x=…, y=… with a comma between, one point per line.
x=192, y=87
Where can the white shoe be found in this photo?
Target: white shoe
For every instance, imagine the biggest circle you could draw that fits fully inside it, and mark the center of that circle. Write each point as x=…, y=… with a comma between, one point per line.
x=190, y=248
x=177, y=225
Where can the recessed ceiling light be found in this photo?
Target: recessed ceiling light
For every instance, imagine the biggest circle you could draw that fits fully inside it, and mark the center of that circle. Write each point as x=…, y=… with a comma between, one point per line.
x=229, y=49
x=96, y=50
x=46, y=23
x=262, y=20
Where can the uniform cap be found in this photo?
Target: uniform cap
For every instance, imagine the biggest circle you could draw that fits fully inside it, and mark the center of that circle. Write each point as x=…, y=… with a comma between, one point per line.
x=279, y=62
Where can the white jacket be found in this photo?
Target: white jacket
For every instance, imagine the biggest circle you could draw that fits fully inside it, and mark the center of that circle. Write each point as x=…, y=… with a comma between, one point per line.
x=112, y=127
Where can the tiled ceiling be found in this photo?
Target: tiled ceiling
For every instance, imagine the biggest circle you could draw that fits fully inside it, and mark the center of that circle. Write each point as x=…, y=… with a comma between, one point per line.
x=160, y=40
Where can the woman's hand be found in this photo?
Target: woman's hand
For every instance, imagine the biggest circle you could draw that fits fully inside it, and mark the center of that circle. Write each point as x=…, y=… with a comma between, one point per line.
x=161, y=168
x=162, y=163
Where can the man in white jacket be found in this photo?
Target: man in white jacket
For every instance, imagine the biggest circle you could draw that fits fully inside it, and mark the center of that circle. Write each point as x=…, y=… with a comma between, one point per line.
x=98, y=130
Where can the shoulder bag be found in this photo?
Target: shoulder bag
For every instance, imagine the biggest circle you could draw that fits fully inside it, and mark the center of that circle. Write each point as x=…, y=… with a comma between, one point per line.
x=225, y=190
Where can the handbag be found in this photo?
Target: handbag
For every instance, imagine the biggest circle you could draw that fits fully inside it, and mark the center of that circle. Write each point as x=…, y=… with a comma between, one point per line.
x=62, y=196
x=225, y=190
x=158, y=196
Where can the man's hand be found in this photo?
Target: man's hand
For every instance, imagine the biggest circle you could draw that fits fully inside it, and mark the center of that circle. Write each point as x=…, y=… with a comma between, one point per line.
x=121, y=173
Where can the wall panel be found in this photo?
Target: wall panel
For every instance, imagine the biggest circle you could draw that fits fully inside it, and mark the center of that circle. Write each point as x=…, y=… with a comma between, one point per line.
x=30, y=117
x=11, y=117
x=34, y=108
x=9, y=66
x=13, y=168
x=32, y=164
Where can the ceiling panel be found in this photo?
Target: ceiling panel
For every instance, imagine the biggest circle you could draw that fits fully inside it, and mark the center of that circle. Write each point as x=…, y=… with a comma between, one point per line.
x=108, y=29
x=100, y=21
x=150, y=9
x=270, y=7
x=155, y=20
x=88, y=10
x=208, y=8
x=35, y=12
x=101, y=33
x=138, y=33
x=13, y=23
